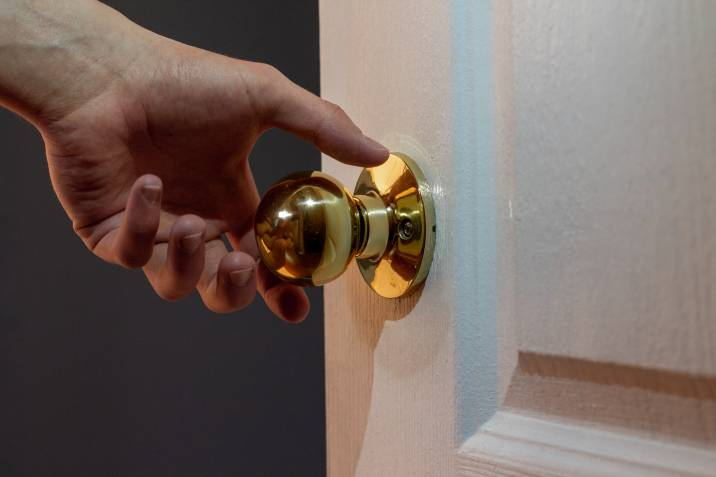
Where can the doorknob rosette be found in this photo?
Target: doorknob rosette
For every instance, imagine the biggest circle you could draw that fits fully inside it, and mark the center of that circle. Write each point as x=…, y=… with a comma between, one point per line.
x=309, y=227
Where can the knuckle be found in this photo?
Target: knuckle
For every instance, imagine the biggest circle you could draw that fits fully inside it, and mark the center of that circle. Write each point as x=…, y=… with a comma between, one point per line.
x=322, y=131
x=263, y=86
x=268, y=78
x=335, y=110
x=268, y=71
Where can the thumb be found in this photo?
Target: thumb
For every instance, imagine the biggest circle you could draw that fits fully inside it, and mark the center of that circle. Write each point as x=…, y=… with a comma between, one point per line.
x=288, y=106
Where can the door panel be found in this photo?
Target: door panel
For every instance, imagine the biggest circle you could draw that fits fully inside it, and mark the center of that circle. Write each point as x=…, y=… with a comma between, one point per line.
x=568, y=326
x=607, y=275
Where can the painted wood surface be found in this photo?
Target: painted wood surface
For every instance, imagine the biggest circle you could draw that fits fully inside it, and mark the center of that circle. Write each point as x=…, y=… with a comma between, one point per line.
x=607, y=233
x=572, y=149
x=390, y=364
x=518, y=445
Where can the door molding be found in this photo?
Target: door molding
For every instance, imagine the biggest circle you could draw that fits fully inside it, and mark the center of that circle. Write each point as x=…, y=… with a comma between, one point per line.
x=516, y=444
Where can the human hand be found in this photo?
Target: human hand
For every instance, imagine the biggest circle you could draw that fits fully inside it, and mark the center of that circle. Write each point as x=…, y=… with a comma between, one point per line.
x=148, y=142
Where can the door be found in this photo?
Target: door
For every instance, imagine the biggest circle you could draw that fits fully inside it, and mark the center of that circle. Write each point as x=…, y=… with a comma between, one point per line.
x=568, y=324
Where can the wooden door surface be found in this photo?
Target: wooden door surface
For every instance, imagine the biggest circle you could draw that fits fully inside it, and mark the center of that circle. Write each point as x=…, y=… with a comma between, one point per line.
x=568, y=324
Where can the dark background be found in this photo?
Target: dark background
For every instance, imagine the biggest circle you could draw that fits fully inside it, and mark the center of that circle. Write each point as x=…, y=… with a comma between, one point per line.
x=98, y=376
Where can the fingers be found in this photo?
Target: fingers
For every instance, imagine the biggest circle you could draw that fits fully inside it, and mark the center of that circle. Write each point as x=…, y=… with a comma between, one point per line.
x=291, y=107
x=132, y=243
x=286, y=301
x=175, y=267
x=228, y=282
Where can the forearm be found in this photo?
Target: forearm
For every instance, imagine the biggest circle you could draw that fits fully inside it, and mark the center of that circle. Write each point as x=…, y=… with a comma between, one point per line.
x=56, y=55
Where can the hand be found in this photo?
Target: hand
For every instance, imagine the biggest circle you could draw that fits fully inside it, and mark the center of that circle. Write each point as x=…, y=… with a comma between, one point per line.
x=148, y=155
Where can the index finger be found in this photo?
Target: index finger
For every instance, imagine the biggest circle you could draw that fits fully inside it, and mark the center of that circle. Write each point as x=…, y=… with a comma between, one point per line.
x=288, y=106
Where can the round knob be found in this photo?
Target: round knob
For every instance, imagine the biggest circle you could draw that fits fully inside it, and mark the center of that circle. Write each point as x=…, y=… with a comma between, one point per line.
x=309, y=227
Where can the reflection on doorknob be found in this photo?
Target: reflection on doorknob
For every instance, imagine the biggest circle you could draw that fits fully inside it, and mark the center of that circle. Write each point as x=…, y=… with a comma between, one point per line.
x=309, y=227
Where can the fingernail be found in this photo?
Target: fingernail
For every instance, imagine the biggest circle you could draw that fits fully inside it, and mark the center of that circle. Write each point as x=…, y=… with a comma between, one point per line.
x=239, y=278
x=152, y=193
x=190, y=243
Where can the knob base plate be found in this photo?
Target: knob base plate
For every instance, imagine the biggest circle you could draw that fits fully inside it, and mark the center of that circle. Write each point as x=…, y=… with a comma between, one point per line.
x=401, y=185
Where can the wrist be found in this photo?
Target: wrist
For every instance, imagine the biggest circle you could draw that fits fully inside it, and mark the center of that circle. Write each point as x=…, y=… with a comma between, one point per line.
x=56, y=55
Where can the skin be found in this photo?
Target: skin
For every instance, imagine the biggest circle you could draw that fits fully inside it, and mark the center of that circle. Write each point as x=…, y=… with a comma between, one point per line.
x=147, y=143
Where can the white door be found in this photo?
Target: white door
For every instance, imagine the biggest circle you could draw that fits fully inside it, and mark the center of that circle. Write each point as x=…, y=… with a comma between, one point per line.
x=568, y=325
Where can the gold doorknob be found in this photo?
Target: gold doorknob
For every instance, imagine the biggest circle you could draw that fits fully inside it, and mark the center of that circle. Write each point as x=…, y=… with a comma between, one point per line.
x=309, y=227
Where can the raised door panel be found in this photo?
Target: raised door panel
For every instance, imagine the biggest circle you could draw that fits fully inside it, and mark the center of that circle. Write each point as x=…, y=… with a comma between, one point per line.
x=608, y=242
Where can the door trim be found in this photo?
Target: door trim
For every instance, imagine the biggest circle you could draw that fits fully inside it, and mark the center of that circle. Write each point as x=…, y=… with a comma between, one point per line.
x=516, y=444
